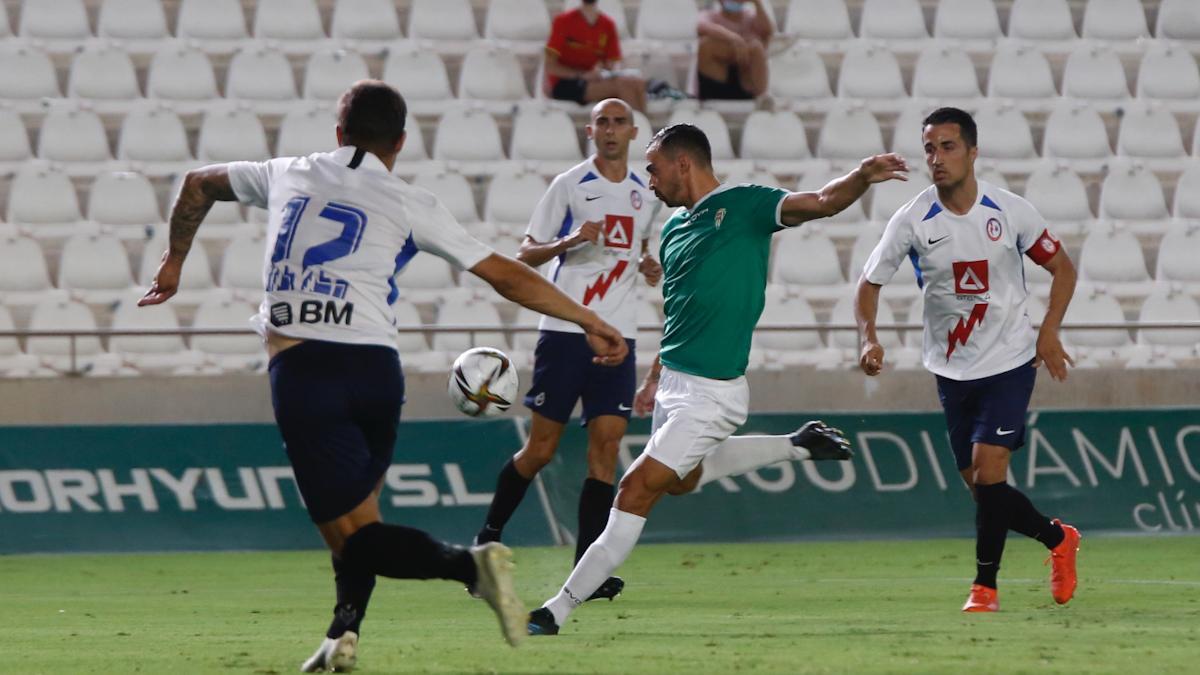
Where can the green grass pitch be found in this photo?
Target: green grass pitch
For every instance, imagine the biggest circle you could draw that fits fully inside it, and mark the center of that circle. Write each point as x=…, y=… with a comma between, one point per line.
x=840, y=607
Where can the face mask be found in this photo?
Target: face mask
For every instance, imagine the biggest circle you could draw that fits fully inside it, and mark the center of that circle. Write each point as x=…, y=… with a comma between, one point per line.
x=731, y=6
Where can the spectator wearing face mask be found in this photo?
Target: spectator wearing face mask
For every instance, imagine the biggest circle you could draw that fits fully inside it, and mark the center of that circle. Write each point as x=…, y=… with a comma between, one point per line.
x=733, y=50
x=583, y=57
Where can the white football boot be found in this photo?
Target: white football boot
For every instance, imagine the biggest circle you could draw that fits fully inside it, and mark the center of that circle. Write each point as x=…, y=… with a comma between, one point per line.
x=334, y=656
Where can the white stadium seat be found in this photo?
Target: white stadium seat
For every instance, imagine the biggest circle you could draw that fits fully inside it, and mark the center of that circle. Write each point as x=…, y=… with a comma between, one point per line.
x=178, y=73
x=425, y=278
x=149, y=353
x=54, y=20
x=887, y=197
x=893, y=20
x=1177, y=255
x=1094, y=72
x=1041, y=20
x=365, y=20
x=288, y=20
x=870, y=72
x=1059, y=195
x=228, y=352
x=132, y=20
x=667, y=20
x=517, y=20
x=208, y=20
x=5, y=26
x=806, y=261
x=849, y=132
x=55, y=352
x=491, y=73
x=44, y=198
x=441, y=20
x=1112, y=255
x=1004, y=133
x=26, y=73
x=330, y=72
x=229, y=134
x=409, y=344
x=242, y=263
x=1167, y=305
x=456, y=313
x=545, y=134
x=648, y=341
x=24, y=277
x=71, y=134
x=123, y=198
x=14, y=140
x=906, y=137
x=155, y=137
x=304, y=131
x=511, y=198
x=864, y=245
x=467, y=135
x=945, y=72
x=104, y=73
x=847, y=340
x=1092, y=347
x=1114, y=20
x=260, y=74
x=421, y=75
x=1020, y=73
x=1168, y=72
x=1178, y=20
x=799, y=73
x=14, y=362
x=776, y=139
x=1149, y=133
x=789, y=347
x=95, y=267
x=1131, y=192
x=1076, y=132
x=1187, y=194
x=413, y=152
x=967, y=20
x=454, y=191
x=818, y=20
x=712, y=124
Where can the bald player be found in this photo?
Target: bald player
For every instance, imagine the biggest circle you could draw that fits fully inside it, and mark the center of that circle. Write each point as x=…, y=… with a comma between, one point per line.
x=592, y=227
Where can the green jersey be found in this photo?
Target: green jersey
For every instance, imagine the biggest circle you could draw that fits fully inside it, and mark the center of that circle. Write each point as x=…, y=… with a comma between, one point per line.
x=714, y=259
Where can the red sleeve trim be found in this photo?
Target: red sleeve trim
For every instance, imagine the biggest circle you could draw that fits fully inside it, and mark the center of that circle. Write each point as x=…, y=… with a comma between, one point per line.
x=1044, y=248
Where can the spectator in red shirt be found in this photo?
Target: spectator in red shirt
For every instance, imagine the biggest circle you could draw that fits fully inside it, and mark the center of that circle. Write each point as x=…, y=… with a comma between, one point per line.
x=582, y=57
x=733, y=50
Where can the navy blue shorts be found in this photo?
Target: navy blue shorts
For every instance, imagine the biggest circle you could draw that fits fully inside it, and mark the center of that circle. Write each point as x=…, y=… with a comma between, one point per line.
x=337, y=406
x=987, y=410
x=563, y=373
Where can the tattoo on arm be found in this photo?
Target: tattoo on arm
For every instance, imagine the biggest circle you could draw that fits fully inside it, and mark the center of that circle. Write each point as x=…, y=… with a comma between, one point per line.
x=201, y=187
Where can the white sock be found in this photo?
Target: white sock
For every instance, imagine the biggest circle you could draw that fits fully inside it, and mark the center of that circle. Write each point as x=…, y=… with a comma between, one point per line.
x=737, y=455
x=602, y=558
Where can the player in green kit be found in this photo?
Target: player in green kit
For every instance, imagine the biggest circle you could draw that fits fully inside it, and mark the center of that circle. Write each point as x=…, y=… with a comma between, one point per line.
x=714, y=255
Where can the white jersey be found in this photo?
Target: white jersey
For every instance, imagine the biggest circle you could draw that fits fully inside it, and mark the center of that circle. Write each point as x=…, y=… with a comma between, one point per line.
x=599, y=276
x=970, y=270
x=339, y=228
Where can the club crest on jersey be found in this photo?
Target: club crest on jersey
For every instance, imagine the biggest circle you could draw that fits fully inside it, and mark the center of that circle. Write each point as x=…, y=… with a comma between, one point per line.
x=970, y=277
x=635, y=199
x=618, y=231
x=993, y=229
x=719, y=217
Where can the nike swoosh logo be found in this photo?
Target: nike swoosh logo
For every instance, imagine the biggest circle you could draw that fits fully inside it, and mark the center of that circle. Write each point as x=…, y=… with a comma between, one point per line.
x=932, y=241
x=590, y=198
x=623, y=408
x=1002, y=432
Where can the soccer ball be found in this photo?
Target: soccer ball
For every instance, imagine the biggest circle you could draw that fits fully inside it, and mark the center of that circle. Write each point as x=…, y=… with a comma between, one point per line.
x=483, y=382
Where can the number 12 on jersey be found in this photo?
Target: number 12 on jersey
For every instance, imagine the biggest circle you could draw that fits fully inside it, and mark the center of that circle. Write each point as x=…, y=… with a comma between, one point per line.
x=315, y=277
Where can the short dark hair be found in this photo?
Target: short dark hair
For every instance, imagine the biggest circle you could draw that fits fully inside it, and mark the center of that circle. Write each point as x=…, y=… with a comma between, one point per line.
x=684, y=137
x=371, y=114
x=962, y=118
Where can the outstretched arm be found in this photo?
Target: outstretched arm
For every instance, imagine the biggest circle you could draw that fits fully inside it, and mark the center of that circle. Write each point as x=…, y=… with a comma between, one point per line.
x=799, y=207
x=201, y=188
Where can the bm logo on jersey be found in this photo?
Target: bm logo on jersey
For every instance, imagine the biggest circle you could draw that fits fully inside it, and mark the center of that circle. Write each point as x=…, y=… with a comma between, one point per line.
x=618, y=231
x=970, y=277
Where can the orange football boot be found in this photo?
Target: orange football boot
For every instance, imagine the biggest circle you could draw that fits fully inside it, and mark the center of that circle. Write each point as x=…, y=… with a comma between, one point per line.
x=1063, y=578
x=982, y=599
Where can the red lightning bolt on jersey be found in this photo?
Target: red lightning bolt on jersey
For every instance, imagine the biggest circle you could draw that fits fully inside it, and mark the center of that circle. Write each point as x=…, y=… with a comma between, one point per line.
x=599, y=288
x=959, y=334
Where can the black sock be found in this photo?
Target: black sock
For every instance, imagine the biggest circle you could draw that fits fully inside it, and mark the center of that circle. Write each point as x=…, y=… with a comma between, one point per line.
x=595, y=501
x=510, y=490
x=1026, y=519
x=353, y=594
x=406, y=553
x=991, y=529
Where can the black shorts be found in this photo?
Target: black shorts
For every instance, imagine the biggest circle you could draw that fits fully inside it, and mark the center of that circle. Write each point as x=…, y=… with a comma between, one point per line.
x=570, y=89
x=337, y=406
x=729, y=90
x=563, y=373
x=987, y=410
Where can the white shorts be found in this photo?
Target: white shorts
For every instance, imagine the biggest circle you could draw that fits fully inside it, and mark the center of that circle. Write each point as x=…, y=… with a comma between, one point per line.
x=692, y=416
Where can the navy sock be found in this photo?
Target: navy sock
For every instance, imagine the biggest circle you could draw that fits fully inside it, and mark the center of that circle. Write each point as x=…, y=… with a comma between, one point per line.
x=510, y=490
x=991, y=530
x=1027, y=520
x=406, y=553
x=595, y=501
x=353, y=594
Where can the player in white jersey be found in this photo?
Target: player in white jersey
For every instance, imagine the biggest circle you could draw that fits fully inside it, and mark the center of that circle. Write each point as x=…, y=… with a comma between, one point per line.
x=966, y=239
x=340, y=226
x=593, y=227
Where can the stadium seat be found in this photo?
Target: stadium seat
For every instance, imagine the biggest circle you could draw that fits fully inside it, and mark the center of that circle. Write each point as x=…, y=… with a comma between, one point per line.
x=870, y=72
x=892, y=20
x=104, y=74
x=546, y=136
x=331, y=71
x=412, y=153
x=1092, y=348
x=427, y=278
x=1021, y=73
x=409, y=344
x=1005, y=137
x=847, y=340
x=667, y=20
x=1169, y=305
x=421, y=75
x=906, y=135
x=1114, y=20
x=304, y=131
x=468, y=136
x=776, y=140
x=182, y=75
x=43, y=198
x=26, y=75
x=889, y=196
x=614, y=9
x=863, y=245
x=55, y=352
x=1076, y=133
x=648, y=341
x=228, y=352
x=150, y=353
x=1178, y=252
x=1169, y=73
x=1130, y=192
x=792, y=347
x=95, y=268
x=260, y=75
x=442, y=20
x=1037, y=279
x=24, y=278
x=852, y=216
x=1151, y=134
x=524, y=342
x=73, y=135
x=5, y=26
x=14, y=362
x=849, y=133
x=1187, y=194
x=518, y=21
x=799, y=74
x=1178, y=20
x=14, y=141
x=805, y=263
x=713, y=125
x=974, y=20
x=230, y=134
x=511, y=199
x=53, y=20
x=132, y=20
x=818, y=20
x=242, y=263
x=1060, y=196
x=365, y=20
x=1094, y=72
x=1112, y=256
x=123, y=198
x=945, y=72
x=156, y=140
x=211, y=22
x=1041, y=20
x=453, y=191
x=492, y=74
x=288, y=20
